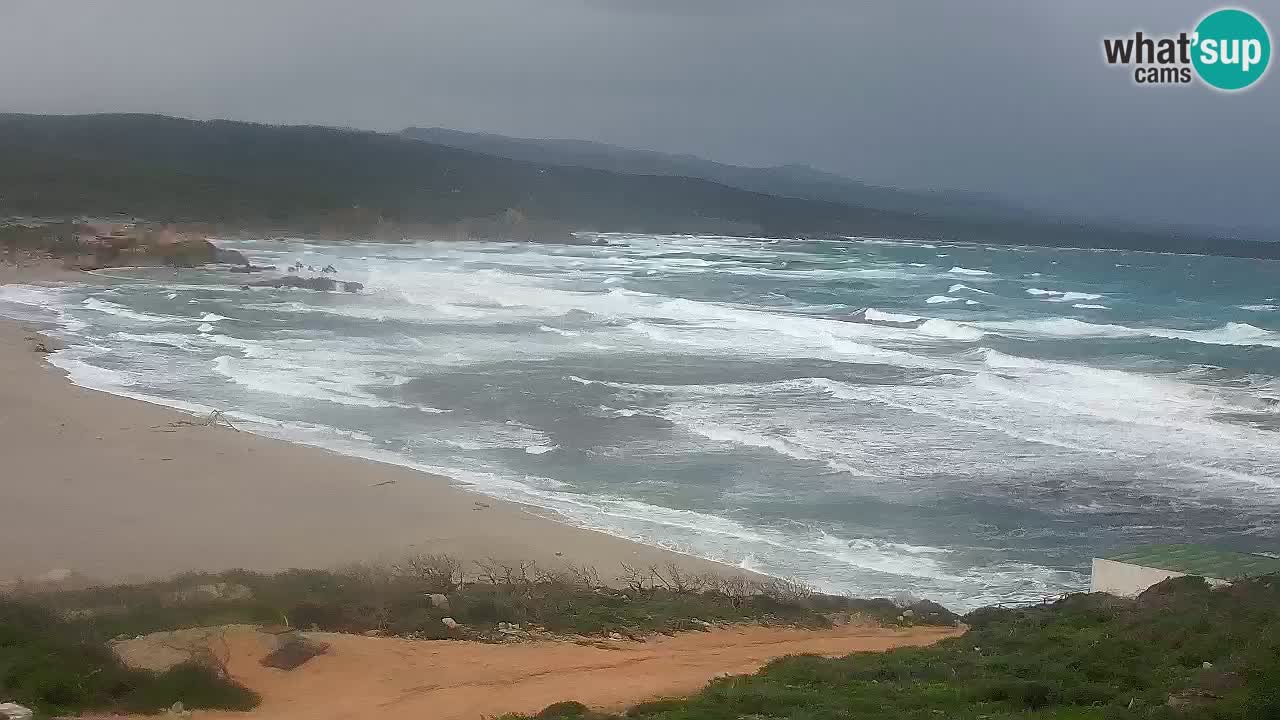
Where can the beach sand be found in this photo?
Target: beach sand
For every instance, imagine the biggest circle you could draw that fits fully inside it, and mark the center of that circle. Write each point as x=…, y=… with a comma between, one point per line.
x=115, y=489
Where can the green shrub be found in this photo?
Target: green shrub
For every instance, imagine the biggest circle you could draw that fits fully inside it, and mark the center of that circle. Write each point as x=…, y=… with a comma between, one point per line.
x=58, y=667
x=1086, y=657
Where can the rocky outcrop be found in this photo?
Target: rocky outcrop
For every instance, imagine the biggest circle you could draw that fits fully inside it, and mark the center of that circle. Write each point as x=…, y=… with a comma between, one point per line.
x=229, y=257
x=120, y=245
x=319, y=283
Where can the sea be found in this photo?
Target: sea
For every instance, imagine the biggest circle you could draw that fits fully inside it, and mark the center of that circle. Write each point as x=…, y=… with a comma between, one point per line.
x=964, y=423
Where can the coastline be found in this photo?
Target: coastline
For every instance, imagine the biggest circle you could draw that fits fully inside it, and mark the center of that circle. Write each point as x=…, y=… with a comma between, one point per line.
x=106, y=488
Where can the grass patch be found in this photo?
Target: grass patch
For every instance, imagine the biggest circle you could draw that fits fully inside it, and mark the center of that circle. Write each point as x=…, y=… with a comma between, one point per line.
x=1181, y=650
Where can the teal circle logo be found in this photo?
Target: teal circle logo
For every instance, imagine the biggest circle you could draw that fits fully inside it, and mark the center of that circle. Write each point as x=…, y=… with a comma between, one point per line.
x=1232, y=49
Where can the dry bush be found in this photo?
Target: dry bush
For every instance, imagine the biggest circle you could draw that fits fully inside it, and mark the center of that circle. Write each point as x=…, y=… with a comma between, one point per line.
x=637, y=579
x=787, y=590
x=436, y=573
x=498, y=574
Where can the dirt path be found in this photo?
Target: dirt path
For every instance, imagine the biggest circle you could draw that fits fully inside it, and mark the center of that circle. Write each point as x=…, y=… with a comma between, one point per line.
x=393, y=679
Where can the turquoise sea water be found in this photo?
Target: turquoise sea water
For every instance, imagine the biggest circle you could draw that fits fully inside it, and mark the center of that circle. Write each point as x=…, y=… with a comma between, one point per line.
x=964, y=423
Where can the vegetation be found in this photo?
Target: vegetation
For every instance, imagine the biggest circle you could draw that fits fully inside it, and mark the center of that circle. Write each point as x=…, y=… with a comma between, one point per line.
x=55, y=666
x=312, y=179
x=398, y=600
x=1181, y=650
x=54, y=656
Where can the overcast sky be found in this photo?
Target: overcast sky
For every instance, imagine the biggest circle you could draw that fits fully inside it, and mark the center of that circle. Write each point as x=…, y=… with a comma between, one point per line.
x=1009, y=97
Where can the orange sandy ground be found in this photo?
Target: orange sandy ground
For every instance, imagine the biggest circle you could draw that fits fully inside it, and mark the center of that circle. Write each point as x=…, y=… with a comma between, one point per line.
x=394, y=679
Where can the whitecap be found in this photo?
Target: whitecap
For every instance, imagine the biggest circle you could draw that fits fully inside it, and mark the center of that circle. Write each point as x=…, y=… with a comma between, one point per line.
x=875, y=315
x=558, y=331
x=110, y=308
x=950, y=330
x=967, y=271
x=1232, y=333
x=939, y=299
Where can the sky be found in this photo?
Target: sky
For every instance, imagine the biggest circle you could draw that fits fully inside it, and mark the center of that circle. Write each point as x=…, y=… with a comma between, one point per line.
x=1012, y=97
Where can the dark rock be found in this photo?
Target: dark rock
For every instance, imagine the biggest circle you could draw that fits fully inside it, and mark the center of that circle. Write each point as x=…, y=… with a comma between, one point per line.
x=252, y=268
x=229, y=257
x=352, y=286
x=292, y=653
x=322, y=284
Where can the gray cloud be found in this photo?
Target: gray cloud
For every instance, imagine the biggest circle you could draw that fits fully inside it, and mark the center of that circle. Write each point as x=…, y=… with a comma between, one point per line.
x=1008, y=97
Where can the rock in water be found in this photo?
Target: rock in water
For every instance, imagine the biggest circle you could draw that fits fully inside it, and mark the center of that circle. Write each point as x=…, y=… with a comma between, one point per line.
x=319, y=283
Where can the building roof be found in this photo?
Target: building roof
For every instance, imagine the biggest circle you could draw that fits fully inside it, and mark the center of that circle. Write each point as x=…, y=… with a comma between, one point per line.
x=1199, y=560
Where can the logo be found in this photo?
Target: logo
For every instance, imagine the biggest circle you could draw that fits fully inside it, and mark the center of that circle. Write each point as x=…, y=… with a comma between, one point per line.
x=1228, y=50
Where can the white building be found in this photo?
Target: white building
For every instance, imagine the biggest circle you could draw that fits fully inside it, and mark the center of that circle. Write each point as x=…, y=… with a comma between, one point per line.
x=1129, y=573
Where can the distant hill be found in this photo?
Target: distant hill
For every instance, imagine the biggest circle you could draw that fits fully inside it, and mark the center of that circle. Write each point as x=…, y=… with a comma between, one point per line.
x=364, y=183
x=798, y=181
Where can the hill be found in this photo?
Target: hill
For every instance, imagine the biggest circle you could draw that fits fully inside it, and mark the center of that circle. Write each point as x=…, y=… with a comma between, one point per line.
x=799, y=181
x=316, y=179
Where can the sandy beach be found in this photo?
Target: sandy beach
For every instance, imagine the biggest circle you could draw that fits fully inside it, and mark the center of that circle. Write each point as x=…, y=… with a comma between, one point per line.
x=116, y=489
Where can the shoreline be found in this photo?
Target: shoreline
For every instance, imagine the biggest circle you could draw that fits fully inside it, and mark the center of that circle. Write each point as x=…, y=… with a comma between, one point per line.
x=106, y=488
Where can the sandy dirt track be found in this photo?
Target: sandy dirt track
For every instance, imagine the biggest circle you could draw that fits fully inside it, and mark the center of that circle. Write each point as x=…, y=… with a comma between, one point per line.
x=394, y=679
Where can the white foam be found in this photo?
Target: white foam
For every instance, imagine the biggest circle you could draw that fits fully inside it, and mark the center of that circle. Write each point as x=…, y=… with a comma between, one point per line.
x=1062, y=295
x=1259, y=308
x=875, y=315
x=950, y=330
x=941, y=299
x=558, y=331
x=211, y=318
x=1232, y=333
x=959, y=287
x=967, y=271
x=205, y=328
x=280, y=376
x=88, y=375
x=110, y=308
x=1089, y=306
x=1073, y=296
x=540, y=449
